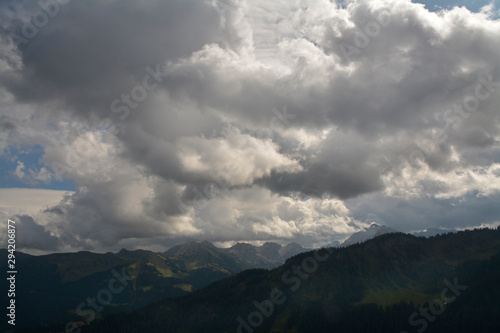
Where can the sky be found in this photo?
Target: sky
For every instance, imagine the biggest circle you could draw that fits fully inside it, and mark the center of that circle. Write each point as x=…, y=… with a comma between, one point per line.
x=143, y=124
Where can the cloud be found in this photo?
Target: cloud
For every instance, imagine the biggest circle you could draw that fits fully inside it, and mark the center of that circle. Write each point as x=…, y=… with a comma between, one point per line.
x=16, y=201
x=26, y=207
x=19, y=173
x=466, y=211
x=246, y=157
x=31, y=236
x=243, y=120
x=34, y=177
x=340, y=166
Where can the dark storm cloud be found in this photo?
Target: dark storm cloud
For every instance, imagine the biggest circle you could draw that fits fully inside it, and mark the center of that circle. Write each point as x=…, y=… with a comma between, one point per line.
x=320, y=179
x=477, y=137
x=340, y=167
x=91, y=52
x=264, y=101
x=33, y=236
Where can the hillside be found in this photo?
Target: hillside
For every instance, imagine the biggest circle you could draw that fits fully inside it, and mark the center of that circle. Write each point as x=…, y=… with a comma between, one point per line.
x=57, y=284
x=374, y=286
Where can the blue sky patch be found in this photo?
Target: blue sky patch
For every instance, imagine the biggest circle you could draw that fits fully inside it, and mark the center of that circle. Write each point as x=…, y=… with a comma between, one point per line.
x=27, y=161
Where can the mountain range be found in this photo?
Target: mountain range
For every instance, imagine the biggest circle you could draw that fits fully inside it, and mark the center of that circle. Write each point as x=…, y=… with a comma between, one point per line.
x=375, y=230
x=269, y=255
x=59, y=285
x=393, y=283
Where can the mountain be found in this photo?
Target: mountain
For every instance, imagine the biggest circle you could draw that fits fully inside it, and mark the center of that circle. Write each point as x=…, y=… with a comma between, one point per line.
x=333, y=244
x=238, y=256
x=269, y=255
x=57, y=284
x=432, y=232
x=372, y=231
x=203, y=255
x=392, y=283
x=291, y=250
